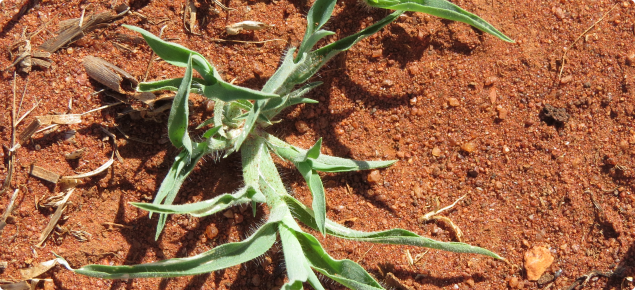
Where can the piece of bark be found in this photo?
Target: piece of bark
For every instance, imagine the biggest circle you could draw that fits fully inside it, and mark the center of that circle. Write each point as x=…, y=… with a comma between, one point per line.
x=42, y=173
x=110, y=75
x=71, y=31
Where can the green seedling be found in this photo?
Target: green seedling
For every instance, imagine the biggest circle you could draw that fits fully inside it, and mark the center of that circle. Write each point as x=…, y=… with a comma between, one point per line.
x=239, y=125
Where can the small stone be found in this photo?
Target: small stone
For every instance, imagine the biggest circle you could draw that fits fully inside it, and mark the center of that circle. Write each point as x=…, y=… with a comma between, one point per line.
x=513, y=282
x=537, y=260
x=468, y=147
x=302, y=127
x=470, y=282
x=566, y=80
x=69, y=50
x=401, y=155
x=453, y=102
x=630, y=59
x=374, y=177
x=258, y=71
x=211, y=231
x=377, y=53
x=472, y=173
x=49, y=285
x=558, y=12
x=492, y=95
x=502, y=112
x=499, y=185
x=491, y=80
x=387, y=83
x=229, y=214
x=624, y=144
x=255, y=280
x=436, y=152
x=238, y=218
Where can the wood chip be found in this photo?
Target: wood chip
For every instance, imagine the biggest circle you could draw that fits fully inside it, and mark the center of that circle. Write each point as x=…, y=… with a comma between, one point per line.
x=55, y=218
x=236, y=28
x=44, y=174
x=91, y=173
x=37, y=270
x=30, y=130
x=110, y=75
x=73, y=29
x=75, y=154
x=7, y=212
x=66, y=119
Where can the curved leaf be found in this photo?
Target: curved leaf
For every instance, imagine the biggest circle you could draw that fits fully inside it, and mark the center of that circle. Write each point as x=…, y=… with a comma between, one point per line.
x=207, y=207
x=179, y=113
x=221, y=257
x=169, y=84
x=443, y=9
x=394, y=236
x=346, y=272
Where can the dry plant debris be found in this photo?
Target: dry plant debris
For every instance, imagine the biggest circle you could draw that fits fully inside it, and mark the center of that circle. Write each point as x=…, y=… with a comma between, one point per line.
x=8, y=210
x=433, y=215
x=236, y=28
x=61, y=206
x=110, y=75
x=73, y=29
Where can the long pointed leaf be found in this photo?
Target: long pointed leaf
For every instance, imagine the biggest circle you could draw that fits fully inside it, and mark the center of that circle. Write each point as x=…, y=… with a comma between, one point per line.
x=443, y=9
x=207, y=207
x=394, y=236
x=324, y=163
x=179, y=113
x=169, y=84
x=175, y=178
x=346, y=272
x=314, y=182
x=221, y=257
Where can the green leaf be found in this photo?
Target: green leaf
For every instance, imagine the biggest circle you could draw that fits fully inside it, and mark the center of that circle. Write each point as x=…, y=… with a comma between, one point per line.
x=393, y=236
x=298, y=267
x=318, y=15
x=345, y=272
x=443, y=9
x=248, y=126
x=213, y=86
x=211, y=132
x=176, y=54
x=324, y=163
x=221, y=257
x=228, y=92
x=314, y=60
x=205, y=123
x=181, y=168
x=258, y=167
x=207, y=207
x=314, y=152
x=314, y=181
x=169, y=84
x=179, y=113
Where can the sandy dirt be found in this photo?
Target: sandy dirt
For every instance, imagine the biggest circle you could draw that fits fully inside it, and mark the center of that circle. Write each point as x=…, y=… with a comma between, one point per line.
x=545, y=158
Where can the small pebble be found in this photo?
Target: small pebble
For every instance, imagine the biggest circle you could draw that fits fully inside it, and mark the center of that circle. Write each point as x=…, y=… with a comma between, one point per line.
x=566, y=79
x=238, y=218
x=513, y=282
x=211, y=231
x=492, y=95
x=229, y=214
x=387, y=83
x=468, y=147
x=302, y=127
x=537, y=261
x=453, y=102
x=559, y=13
x=502, y=112
x=470, y=282
x=624, y=145
x=69, y=50
x=630, y=59
x=472, y=173
x=377, y=53
x=374, y=177
x=436, y=151
x=491, y=80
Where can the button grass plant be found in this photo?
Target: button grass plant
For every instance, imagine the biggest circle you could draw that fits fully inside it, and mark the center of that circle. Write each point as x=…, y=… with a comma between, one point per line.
x=239, y=125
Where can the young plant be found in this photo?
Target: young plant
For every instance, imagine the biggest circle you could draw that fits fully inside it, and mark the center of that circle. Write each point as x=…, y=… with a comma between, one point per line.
x=241, y=117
